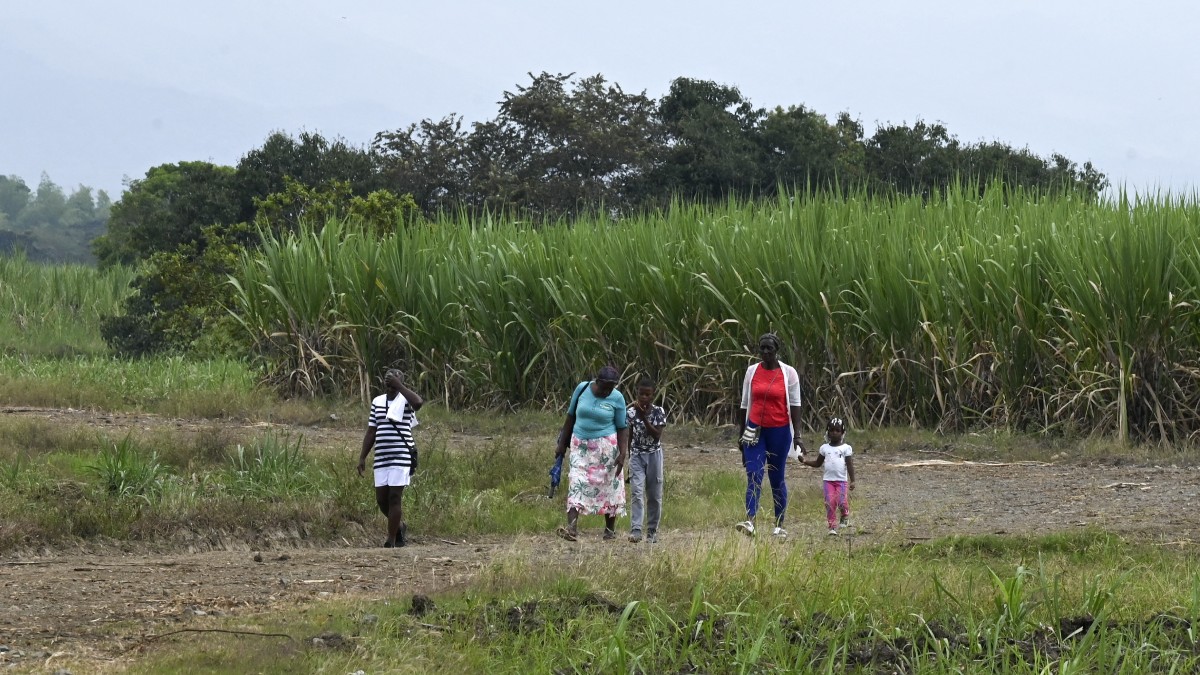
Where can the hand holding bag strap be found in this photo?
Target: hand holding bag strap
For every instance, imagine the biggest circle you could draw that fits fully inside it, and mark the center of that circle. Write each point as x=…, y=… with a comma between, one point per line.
x=575, y=397
x=411, y=446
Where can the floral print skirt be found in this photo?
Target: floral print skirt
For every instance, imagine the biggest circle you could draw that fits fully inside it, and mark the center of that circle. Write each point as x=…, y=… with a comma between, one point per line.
x=594, y=486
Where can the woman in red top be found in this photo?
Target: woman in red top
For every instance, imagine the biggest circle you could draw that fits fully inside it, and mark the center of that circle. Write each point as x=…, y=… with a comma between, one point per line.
x=769, y=418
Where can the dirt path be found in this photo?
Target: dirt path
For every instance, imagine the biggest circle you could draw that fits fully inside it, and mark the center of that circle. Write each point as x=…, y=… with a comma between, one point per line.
x=97, y=606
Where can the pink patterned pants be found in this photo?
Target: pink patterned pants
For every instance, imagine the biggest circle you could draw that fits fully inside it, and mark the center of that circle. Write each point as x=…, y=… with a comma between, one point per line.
x=837, y=499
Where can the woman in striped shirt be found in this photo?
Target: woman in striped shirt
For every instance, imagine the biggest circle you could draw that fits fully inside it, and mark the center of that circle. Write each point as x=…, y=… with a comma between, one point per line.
x=389, y=432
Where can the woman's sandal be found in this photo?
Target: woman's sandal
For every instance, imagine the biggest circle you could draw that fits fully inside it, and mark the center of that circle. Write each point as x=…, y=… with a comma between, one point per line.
x=567, y=533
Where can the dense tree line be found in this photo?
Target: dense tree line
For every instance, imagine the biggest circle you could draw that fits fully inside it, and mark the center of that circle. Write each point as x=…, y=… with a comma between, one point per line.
x=558, y=147
x=49, y=225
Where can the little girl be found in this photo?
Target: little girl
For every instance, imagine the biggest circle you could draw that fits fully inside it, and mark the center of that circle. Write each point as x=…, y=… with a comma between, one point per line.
x=839, y=473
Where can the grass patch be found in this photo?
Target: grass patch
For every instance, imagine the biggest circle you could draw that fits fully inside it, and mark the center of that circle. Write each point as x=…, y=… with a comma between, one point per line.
x=55, y=310
x=174, y=386
x=126, y=471
x=274, y=467
x=1090, y=543
x=163, y=484
x=730, y=605
x=168, y=385
x=523, y=423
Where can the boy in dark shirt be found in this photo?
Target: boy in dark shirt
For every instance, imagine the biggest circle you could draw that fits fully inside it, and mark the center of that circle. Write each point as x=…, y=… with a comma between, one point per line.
x=646, y=421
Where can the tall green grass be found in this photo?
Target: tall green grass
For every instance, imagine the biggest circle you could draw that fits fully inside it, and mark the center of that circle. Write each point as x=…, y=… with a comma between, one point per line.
x=55, y=310
x=51, y=352
x=951, y=312
x=172, y=385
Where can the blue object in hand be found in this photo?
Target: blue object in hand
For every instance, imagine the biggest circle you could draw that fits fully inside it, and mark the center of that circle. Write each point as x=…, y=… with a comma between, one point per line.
x=555, y=475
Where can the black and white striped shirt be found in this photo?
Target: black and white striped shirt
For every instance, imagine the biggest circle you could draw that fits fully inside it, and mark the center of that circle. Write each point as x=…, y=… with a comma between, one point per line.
x=393, y=440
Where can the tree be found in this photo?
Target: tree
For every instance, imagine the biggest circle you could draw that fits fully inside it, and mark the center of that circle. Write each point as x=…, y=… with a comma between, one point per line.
x=379, y=212
x=168, y=208
x=558, y=147
x=429, y=160
x=561, y=148
x=713, y=143
x=179, y=300
x=311, y=160
x=912, y=159
x=1088, y=179
x=45, y=210
x=14, y=197
x=49, y=225
x=800, y=147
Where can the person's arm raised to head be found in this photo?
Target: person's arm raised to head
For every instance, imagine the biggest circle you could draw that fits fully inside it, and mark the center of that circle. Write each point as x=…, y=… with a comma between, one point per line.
x=395, y=381
x=414, y=399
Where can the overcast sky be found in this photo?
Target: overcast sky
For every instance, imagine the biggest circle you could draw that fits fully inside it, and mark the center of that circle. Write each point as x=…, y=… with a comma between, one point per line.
x=94, y=92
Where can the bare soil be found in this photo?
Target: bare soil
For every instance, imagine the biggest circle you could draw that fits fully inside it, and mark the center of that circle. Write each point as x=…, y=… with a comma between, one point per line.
x=92, y=609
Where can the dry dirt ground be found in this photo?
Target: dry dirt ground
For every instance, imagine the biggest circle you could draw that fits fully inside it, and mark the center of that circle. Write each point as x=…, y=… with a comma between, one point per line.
x=93, y=609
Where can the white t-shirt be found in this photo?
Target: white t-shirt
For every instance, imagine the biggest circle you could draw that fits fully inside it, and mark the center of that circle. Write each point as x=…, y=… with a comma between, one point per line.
x=835, y=460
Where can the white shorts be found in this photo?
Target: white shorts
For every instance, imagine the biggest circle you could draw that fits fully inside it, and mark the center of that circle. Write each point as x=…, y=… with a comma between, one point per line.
x=392, y=476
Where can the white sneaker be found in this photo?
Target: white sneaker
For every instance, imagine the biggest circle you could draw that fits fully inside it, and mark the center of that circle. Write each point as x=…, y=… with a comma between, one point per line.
x=779, y=532
x=745, y=527
x=833, y=533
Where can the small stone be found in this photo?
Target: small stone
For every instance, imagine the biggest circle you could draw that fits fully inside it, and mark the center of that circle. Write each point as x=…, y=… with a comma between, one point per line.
x=258, y=557
x=3, y=649
x=318, y=642
x=369, y=619
x=284, y=556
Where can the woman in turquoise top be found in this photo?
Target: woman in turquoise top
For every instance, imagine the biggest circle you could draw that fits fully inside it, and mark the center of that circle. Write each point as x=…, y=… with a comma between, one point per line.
x=597, y=434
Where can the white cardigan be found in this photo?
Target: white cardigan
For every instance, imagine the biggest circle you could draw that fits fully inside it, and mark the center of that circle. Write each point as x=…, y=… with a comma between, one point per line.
x=790, y=378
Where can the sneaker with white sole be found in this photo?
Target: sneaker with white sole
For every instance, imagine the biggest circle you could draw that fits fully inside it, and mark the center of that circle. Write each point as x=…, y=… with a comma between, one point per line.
x=745, y=527
x=779, y=532
x=845, y=522
x=833, y=533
